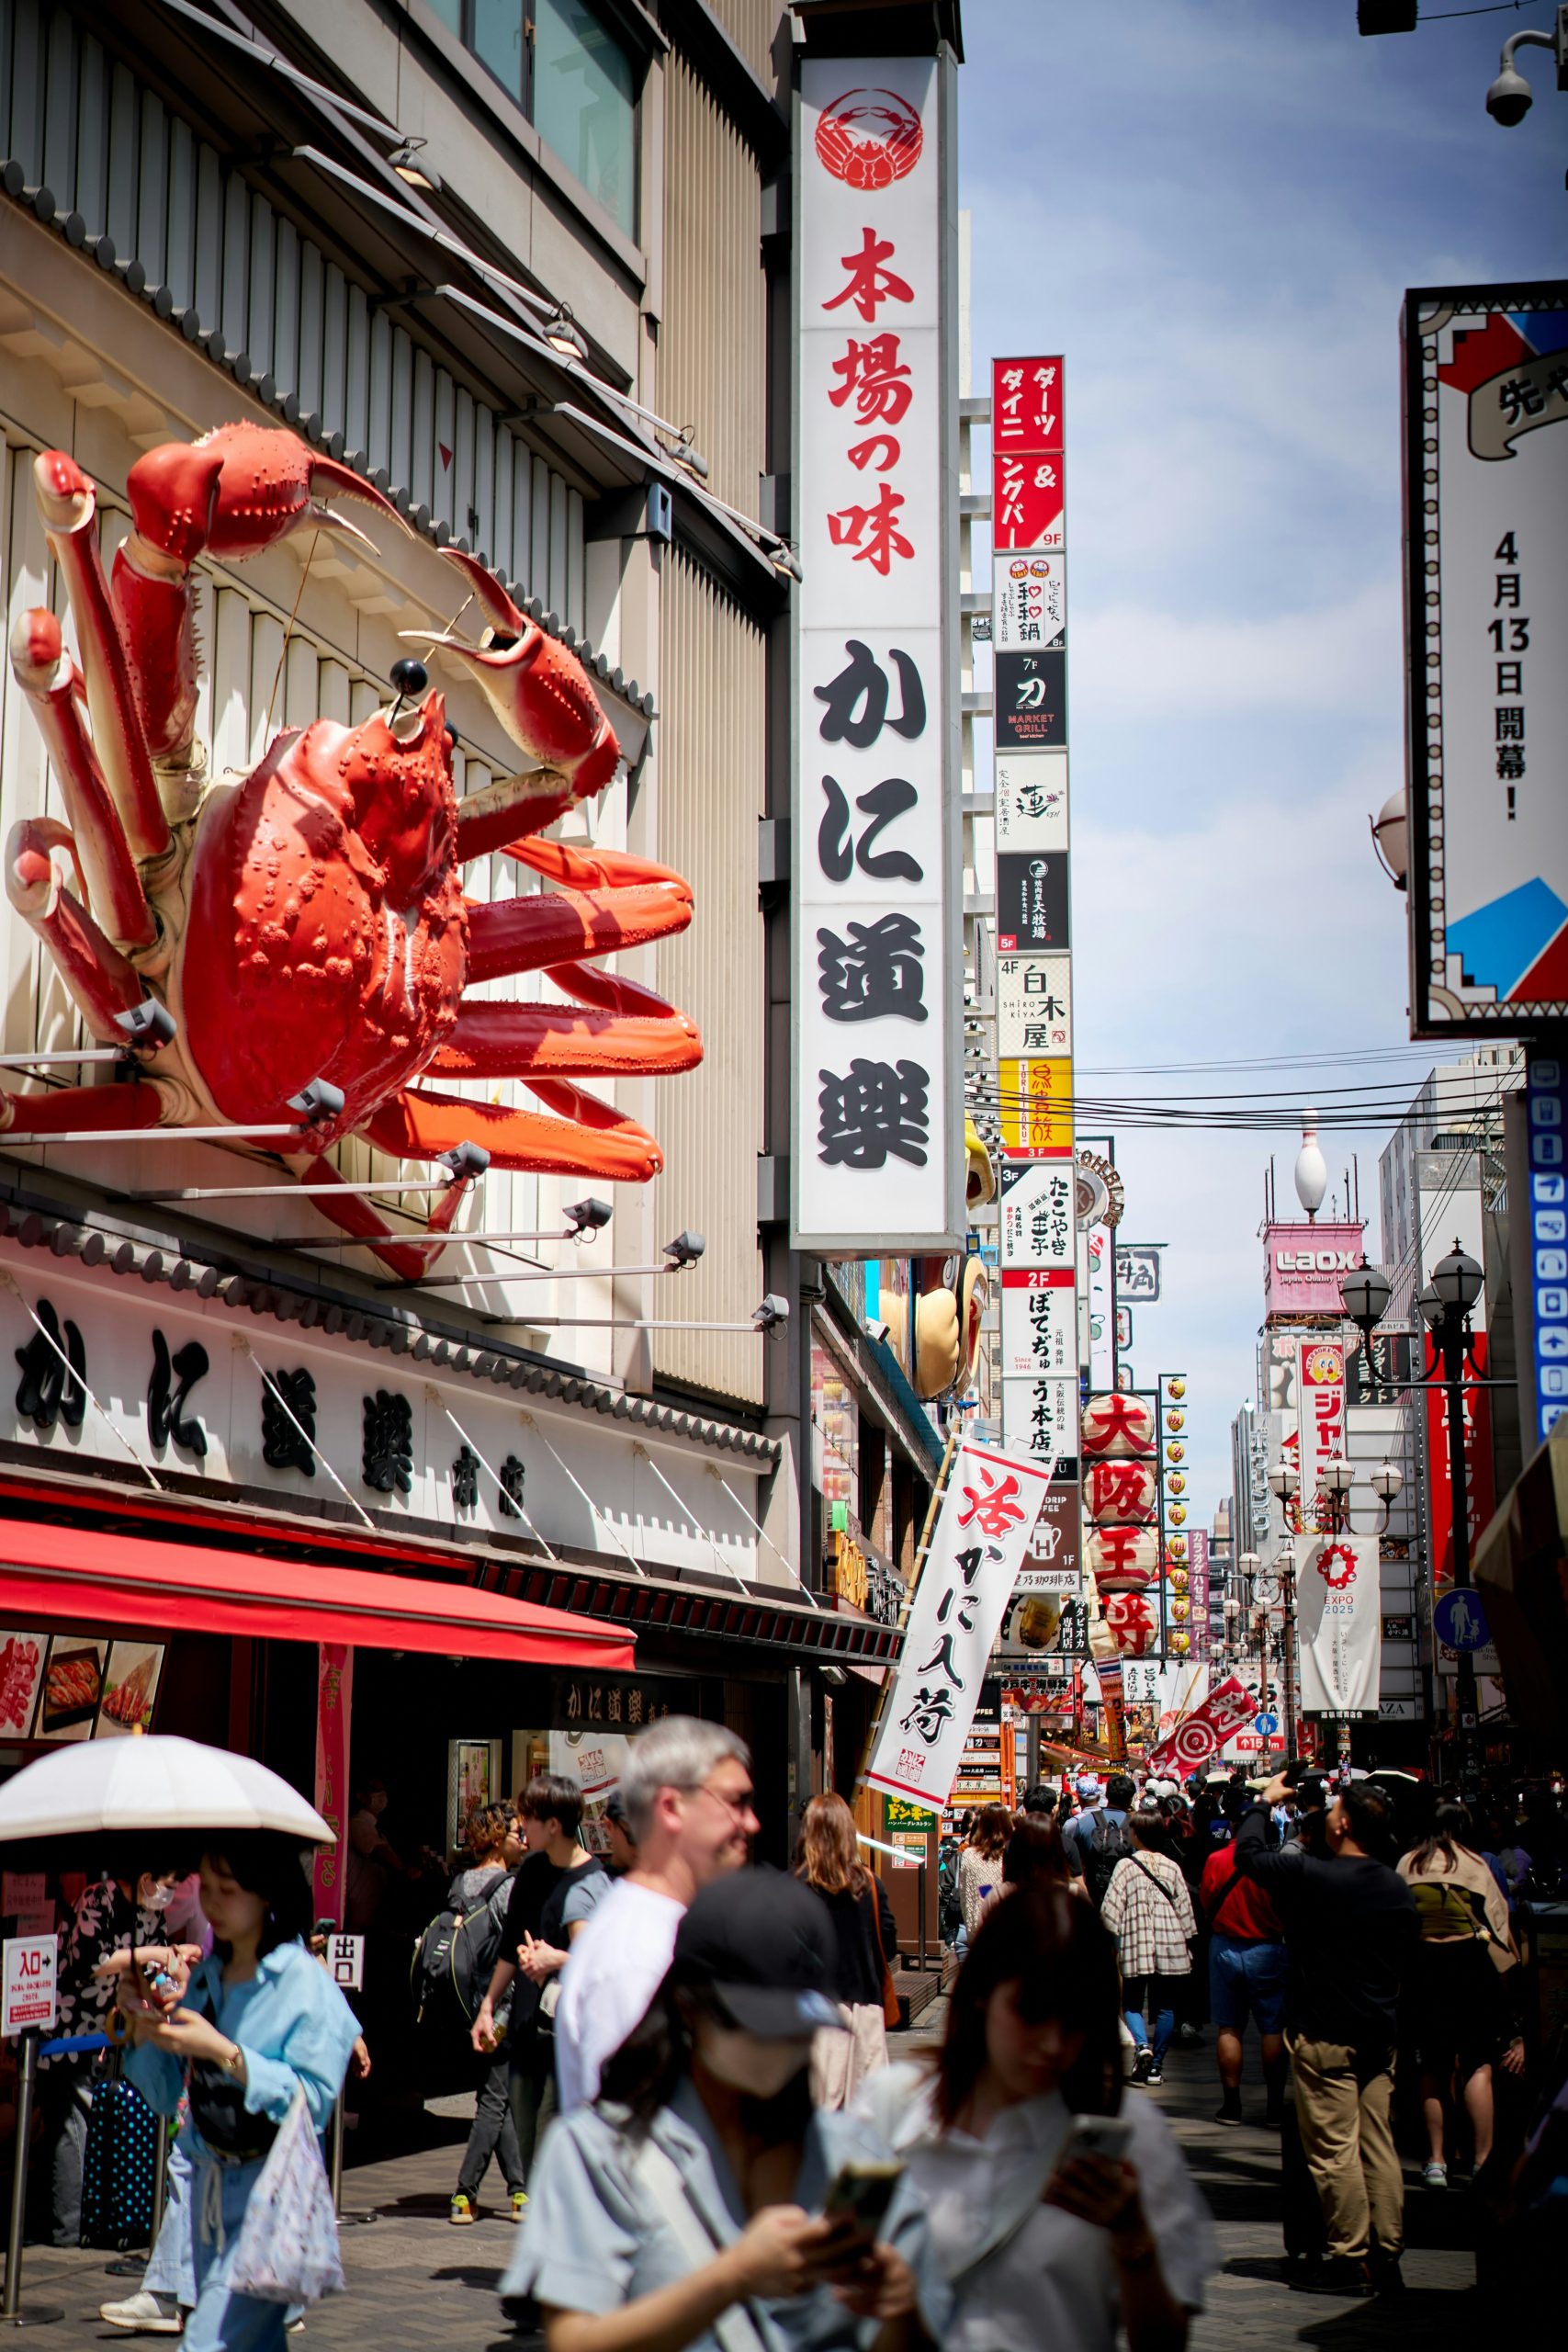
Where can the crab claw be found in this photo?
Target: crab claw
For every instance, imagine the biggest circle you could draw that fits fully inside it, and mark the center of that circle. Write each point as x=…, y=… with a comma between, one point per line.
x=235, y=492
x=536, y=686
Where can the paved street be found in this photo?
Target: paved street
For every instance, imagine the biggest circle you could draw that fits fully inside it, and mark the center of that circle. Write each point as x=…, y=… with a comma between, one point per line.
x=414, y=2281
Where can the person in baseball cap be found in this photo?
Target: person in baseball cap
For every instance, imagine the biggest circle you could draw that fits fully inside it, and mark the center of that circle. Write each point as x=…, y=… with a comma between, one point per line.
x=705, y=2116
x=1087, y=1787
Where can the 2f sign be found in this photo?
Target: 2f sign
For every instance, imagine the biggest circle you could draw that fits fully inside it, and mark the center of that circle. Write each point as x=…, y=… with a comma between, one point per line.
x=31, y=1996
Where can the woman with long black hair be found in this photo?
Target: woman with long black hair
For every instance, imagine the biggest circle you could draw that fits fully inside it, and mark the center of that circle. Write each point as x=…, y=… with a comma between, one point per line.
x=1046, y=2239
x=685, y=2208
x=258, y=2021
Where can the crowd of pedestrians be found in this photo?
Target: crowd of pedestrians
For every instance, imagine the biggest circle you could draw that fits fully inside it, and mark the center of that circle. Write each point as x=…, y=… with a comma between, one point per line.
x=681, y=2061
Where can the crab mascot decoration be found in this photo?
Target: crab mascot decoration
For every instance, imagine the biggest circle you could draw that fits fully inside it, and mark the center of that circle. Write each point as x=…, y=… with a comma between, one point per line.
x=292, y=946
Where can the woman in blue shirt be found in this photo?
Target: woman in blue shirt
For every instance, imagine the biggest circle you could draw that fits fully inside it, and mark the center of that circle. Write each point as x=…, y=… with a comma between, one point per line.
x=258, y=2020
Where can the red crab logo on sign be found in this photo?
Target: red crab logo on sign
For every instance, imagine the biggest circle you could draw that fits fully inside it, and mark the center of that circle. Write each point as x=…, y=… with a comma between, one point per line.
x=1347, y=1573
x=868, y=138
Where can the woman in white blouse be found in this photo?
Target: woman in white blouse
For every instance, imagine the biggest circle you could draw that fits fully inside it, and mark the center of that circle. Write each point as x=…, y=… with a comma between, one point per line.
x=1043, y=2244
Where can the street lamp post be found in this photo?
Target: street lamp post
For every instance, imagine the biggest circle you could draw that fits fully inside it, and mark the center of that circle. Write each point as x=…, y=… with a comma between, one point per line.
x=1445, y=1307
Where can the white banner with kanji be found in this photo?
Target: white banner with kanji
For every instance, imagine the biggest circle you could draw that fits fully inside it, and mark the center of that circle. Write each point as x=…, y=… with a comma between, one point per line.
x=1338, y=1624
x=977, y=1549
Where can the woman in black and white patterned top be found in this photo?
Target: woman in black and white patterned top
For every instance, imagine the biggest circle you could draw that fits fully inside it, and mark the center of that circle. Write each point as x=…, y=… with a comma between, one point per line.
x=1148, y=1910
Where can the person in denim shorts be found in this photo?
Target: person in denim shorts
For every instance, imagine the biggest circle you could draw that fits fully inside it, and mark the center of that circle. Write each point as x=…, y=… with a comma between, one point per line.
x=1246, y=1976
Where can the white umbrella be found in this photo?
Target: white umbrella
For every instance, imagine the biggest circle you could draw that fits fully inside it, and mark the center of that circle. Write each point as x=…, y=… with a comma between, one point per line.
x=152, y=1783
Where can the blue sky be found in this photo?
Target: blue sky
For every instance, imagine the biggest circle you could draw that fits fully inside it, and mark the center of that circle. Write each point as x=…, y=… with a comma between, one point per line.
x=1212, y=209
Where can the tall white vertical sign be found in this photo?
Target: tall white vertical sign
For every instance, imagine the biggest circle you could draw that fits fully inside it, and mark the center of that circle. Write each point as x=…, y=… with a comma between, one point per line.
x=877, y=1158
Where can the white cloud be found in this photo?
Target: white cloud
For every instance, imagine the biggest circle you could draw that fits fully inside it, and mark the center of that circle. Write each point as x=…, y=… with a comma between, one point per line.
x=1341, y=658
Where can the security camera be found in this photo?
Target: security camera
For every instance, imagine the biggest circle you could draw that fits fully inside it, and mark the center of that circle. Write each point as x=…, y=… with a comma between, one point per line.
x=1508, y=100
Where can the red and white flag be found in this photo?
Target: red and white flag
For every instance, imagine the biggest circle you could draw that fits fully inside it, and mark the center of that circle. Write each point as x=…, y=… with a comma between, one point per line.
x=1202, y=1734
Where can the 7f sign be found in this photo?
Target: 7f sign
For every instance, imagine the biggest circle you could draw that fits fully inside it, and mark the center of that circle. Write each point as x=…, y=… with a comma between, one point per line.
x=877, y=1158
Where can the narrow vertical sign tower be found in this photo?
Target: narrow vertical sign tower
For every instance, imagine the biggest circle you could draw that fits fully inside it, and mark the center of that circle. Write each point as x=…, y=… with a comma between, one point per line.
x=877, y=1158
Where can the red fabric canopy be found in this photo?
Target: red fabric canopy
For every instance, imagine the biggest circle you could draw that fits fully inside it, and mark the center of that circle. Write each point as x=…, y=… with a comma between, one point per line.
x=97, y=1578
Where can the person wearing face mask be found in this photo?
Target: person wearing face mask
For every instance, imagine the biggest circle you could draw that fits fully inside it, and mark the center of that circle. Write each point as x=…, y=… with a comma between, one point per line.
x=686, y=2207
x=1045, y=2240
x=687, y=1791
x=111, y=1914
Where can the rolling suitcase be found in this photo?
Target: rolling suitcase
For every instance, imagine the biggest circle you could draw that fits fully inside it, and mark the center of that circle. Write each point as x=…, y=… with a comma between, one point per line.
x=117, y=2169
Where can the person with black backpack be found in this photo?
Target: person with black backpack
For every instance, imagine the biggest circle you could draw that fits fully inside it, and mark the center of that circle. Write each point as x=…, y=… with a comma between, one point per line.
x=456, y=1959
x=1102, y=1838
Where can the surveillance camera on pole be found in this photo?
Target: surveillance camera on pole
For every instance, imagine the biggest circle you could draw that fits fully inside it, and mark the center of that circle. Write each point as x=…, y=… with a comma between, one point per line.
x=1510, y=97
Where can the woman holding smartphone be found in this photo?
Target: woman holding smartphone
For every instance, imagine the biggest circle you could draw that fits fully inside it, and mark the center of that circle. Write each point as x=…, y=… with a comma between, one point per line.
x=1057, y=2214
x=701, y=2202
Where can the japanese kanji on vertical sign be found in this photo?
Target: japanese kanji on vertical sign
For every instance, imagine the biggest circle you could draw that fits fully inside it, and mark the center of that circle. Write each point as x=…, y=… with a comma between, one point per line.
x=976, y=1554
x=877, y=1158
x=1034, y=1020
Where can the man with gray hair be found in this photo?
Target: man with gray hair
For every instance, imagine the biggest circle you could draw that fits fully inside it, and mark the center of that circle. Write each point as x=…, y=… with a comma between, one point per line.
x=687, y=1791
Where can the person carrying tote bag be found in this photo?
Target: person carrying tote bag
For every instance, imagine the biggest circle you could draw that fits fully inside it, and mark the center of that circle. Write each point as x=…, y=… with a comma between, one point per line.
x=264, y=2038
x=863, y=1935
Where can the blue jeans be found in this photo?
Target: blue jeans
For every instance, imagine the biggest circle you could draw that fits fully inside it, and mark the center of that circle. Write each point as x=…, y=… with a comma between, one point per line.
x=1246, y=1977
x=1150, y=1997
x=171, y=2270
x=223, y=2321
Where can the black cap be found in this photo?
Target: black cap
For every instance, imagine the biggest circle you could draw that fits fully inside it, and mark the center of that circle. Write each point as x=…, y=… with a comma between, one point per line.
x=763, y=1944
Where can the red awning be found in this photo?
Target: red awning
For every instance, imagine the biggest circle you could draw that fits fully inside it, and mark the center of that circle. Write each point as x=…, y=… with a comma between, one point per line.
x=98, y=1579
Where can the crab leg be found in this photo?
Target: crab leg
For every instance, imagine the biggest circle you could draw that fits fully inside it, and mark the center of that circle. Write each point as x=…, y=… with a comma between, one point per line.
x=68, y=506
x=632, y=1032
x=68, y=1109
x=618, y=901
x=589, y=1138
x=353, y=1214
x=98, y=977
x=48, y=678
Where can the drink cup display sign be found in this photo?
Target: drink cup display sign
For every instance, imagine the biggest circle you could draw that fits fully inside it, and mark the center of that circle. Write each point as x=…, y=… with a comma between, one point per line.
x=31, y=1996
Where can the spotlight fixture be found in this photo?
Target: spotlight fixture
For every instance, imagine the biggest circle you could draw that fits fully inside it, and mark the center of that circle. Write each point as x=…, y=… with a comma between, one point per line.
x=773, y=1312
x=584, y=1217
x=408, y=163
x=564, y=336
x=148, y=1025
x=468, y=1161
x=318, y=1102
x=684, y=1250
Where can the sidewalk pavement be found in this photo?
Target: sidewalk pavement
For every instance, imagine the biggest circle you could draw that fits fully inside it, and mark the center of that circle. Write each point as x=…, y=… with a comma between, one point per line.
x=413, y=2281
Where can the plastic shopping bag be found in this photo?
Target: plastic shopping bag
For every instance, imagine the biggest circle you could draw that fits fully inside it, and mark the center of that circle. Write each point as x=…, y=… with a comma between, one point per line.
x=288, y=2250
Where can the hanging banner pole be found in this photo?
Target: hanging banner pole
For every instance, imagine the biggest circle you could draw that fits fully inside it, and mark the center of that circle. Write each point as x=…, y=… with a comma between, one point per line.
x=938, y=1491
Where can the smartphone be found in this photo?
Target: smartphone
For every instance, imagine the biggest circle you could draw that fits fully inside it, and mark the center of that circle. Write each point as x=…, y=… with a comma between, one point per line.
x=861, y=2193
x=1096, y=2135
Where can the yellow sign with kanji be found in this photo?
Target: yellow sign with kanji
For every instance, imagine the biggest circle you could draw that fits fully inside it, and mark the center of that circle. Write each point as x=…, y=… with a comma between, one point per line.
x=1036, y=1107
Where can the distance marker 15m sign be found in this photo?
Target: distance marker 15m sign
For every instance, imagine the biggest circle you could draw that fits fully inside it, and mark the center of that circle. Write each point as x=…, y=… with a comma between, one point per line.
x=1486, y=619
x=877, y=1153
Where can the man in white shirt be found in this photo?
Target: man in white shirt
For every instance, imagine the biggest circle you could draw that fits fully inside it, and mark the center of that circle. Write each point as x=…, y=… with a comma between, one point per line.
x=687, y=1791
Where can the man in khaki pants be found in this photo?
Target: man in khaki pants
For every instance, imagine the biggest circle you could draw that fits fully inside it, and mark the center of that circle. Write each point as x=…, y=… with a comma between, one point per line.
x=1350, y=1933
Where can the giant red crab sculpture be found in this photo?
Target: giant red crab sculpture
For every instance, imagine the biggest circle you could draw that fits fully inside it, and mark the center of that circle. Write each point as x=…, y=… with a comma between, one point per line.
x=306, y=921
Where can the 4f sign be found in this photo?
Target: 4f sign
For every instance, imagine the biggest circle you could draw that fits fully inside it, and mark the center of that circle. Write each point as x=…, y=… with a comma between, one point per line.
x=30, y=1997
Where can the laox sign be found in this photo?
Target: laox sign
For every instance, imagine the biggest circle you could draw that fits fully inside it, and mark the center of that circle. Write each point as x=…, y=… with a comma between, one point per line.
x=1304, y=1264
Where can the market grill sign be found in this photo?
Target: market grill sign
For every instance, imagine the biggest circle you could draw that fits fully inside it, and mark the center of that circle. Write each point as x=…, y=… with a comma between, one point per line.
x=1486, y=620
x=877, y=1162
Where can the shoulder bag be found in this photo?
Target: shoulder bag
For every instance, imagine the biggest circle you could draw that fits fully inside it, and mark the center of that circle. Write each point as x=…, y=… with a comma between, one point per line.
x=660, y=2179
x=287, y=2246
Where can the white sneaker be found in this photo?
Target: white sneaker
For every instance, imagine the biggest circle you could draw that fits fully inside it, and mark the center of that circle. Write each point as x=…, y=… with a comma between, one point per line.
x=1435, y=2174
x=145, y=2314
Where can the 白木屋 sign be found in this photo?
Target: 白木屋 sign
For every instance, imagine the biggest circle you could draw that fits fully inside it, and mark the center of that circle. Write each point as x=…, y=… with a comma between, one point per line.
x=976, y=1554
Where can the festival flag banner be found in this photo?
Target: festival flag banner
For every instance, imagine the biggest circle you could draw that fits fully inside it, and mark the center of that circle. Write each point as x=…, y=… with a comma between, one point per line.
x=1338, y=1624
x=976, y=1554
x=1201, y=1734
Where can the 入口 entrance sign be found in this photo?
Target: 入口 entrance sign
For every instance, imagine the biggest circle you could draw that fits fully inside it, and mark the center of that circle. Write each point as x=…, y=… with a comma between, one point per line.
x=1486, y=619
x=877, y=1159
x=29, y=1999
x=978, y=1550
